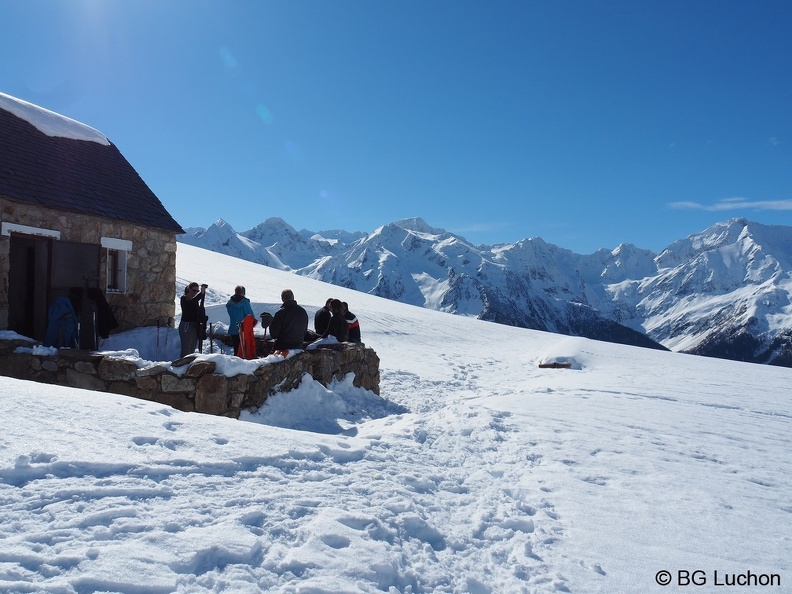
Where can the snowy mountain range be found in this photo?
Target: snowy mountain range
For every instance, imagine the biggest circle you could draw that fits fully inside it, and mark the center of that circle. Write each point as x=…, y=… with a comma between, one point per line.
x=724, y=292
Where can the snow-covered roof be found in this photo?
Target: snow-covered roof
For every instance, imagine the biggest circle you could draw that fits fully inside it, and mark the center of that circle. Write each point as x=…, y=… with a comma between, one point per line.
x=49, y=122
x=49, y=160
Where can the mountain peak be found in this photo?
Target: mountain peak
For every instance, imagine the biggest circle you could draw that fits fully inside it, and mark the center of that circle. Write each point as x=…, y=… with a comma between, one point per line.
x=417, y=224
x=712, y=238
x=275, y=223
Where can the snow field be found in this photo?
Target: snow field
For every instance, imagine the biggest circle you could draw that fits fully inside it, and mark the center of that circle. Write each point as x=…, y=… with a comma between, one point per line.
x=474, y=471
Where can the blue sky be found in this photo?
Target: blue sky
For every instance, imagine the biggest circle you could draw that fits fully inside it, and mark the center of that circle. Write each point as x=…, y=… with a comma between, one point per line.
x=588, y=124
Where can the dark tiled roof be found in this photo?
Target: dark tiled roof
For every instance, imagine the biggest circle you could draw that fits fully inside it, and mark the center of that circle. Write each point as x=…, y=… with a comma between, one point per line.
x=78, y=176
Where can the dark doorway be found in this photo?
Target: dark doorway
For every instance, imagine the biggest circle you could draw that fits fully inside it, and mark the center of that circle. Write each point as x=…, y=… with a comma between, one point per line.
x=28, y=284
x=41, y=270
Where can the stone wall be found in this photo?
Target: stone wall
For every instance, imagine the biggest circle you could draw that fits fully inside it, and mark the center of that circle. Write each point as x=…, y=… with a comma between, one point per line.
x=196, y=386
x=151, y=265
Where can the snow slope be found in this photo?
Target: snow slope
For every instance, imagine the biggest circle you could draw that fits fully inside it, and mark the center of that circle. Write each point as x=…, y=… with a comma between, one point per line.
x=476, y=471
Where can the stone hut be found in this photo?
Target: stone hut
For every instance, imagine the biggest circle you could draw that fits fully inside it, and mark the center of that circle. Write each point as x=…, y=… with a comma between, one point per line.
x=76, y=219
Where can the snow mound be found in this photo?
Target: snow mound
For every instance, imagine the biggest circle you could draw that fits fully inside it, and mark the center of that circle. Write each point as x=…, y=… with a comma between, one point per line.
x=312, y=407
x=569, y=351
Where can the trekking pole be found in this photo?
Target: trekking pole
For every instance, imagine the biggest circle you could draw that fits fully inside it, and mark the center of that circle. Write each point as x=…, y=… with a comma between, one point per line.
x=167, y=327
x=211, y=338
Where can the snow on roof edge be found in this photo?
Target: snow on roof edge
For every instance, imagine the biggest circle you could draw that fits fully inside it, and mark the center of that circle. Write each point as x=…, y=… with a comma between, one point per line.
x=49, y=122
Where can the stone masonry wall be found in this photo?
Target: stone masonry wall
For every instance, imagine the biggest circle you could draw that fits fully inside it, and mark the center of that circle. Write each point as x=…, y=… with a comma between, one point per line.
x=151, y=265
x=198, y=389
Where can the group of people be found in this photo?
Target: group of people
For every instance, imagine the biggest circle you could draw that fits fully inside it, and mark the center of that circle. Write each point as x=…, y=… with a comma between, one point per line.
x=335, y=319
x=333, y=323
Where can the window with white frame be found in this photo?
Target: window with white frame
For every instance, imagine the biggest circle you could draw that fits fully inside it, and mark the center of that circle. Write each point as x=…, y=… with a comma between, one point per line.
x=117, y=253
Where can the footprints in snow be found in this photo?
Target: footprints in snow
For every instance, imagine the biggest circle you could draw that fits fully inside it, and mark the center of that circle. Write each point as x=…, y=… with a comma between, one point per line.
x=336, y=541
x=493, y=502
x=170, y=444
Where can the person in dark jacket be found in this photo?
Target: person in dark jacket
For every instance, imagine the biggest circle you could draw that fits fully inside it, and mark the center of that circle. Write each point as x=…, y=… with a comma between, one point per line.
x=322, y=318
x=338, y=325
x=289, y=324
x=352, y=323
x=191, y=302
x=337, y=330
x=238, y=307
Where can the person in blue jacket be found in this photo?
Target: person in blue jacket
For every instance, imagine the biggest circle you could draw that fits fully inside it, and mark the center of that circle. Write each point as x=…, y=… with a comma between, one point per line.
x=238, y=307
